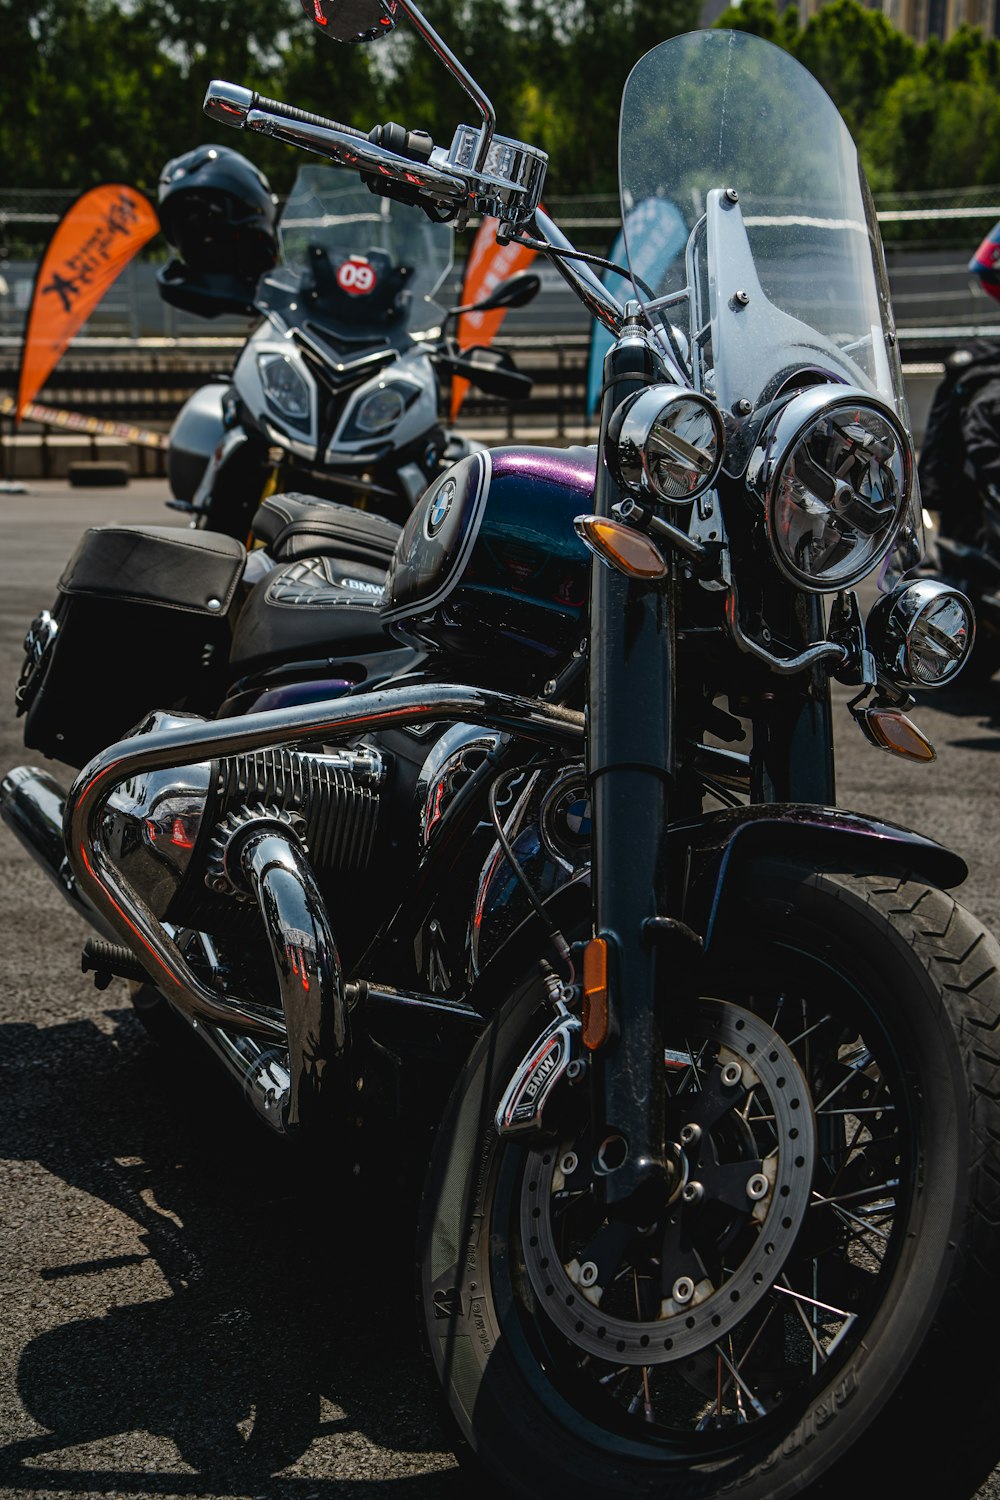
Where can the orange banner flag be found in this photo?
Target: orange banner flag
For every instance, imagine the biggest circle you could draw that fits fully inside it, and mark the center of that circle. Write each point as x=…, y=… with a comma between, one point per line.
x=93, y=242
x=488, y=265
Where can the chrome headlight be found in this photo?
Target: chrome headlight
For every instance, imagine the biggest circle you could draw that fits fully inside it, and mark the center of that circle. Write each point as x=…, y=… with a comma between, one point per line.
x=921, y=634
x=834, y=470
x=667, y=440
x=284, y=386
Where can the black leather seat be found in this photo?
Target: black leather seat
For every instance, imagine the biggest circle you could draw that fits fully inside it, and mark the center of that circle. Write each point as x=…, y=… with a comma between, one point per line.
x=315, y=607
x=293, y=526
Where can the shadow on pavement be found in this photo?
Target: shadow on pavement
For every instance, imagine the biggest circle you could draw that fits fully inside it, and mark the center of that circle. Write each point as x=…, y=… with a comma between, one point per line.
x=276, y=1296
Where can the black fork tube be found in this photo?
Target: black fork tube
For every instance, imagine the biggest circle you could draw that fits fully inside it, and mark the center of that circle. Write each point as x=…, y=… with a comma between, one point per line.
x=630, y=744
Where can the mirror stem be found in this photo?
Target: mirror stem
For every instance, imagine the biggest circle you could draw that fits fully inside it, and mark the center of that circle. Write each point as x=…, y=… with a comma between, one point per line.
x=469, y=84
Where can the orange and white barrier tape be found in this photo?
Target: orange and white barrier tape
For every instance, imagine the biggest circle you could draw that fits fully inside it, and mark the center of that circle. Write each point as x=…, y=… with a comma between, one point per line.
x=74, y=421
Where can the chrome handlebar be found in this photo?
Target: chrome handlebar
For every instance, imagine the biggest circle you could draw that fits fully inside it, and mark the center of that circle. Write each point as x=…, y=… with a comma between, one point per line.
x=509, y=185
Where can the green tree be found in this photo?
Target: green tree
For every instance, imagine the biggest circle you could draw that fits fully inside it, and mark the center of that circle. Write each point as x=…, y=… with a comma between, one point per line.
x=93, y=89
x=857, y=55
x=94, y=103
x=939, y=126
x=761, y=18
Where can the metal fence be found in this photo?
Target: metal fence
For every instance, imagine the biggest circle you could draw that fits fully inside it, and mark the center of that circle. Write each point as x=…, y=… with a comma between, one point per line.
x=137, y=359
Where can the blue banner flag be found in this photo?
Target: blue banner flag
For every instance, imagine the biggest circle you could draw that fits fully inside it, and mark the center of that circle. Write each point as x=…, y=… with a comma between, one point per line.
x=657, y=232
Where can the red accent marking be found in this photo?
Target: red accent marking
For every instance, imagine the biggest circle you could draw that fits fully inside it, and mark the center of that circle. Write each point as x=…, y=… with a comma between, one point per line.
x=180, y=836
x=356, y=277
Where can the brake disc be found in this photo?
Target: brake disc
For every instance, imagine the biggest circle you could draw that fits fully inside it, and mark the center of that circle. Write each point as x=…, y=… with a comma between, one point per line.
x=742, y=1113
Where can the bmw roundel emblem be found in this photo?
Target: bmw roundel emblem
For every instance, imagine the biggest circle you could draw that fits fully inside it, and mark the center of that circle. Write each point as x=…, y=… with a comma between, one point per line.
x=441, y=504
x=566, y=818
x=577, y=815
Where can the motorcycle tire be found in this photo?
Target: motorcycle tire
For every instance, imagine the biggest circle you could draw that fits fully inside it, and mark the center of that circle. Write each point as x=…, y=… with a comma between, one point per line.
x=861, y=1013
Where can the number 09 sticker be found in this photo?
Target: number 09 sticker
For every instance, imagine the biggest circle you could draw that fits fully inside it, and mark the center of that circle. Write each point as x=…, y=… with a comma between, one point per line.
x=356, y=277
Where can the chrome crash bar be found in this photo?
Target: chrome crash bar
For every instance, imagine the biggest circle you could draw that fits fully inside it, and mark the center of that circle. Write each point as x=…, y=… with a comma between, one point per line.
x=117, y=904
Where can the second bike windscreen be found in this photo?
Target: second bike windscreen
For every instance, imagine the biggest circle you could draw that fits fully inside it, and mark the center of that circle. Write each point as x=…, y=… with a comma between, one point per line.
x=345, y=219
x=780, y=268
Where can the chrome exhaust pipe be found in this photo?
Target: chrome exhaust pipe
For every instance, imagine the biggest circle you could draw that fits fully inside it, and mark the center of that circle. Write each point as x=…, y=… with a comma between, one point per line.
x=261, y=856
x=261, y=1071
x=33, y=805
x=300, y=1082
x=287, y=1085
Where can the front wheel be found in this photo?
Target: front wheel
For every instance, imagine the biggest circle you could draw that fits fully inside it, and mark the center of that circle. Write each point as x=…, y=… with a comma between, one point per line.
x=813, y=1307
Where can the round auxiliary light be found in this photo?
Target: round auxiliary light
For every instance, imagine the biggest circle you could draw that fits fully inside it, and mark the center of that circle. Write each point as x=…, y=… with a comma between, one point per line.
x=921, y=634
x=834, y=470
x=666, y=441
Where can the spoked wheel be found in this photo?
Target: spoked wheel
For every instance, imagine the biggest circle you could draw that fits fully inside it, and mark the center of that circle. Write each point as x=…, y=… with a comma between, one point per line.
x=683, y=1313
x=811, y=1288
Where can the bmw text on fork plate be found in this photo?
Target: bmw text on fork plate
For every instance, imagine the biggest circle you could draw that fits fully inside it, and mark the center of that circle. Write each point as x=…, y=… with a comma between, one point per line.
x=533, y=847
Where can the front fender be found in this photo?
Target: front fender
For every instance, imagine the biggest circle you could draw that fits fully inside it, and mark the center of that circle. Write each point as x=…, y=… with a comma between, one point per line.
x=712, y=850
x=704, y=857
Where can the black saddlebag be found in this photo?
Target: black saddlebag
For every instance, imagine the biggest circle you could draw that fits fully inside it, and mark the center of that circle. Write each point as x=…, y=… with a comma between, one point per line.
x=140, y=619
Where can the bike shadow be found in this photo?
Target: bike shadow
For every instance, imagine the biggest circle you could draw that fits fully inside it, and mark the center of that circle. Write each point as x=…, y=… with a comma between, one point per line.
x=974, y=702
x=285, y=1343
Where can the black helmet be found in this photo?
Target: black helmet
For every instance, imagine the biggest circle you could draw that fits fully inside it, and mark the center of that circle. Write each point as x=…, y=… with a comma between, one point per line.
x=218, y=212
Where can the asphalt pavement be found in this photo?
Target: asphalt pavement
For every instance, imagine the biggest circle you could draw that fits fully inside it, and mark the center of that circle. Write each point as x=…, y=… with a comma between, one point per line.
x=184, y=1310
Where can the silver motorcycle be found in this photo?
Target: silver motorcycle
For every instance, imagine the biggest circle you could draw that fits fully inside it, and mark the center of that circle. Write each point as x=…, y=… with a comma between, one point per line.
x=337, y=391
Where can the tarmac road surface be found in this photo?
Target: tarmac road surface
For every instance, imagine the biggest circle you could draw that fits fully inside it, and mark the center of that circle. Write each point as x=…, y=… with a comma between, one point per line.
x=182, y=1313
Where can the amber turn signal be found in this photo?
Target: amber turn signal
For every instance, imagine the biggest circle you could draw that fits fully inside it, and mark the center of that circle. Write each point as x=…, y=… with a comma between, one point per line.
x=621, y=546
x=596, y=1020
x=892, y=730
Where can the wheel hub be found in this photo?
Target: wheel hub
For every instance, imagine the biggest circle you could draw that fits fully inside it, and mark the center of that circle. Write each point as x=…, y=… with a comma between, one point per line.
x=741, y=1119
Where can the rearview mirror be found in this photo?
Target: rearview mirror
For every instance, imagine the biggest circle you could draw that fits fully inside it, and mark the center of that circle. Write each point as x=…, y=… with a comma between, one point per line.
x=352, y=20
x=490, y=370
x=517, y=291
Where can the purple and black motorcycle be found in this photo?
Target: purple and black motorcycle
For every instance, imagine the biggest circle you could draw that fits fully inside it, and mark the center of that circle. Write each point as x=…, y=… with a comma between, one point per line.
x=525, y=845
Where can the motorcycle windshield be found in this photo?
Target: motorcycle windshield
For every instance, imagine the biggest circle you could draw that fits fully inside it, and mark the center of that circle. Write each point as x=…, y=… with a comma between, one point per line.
x=780, y=266
x=345, y=219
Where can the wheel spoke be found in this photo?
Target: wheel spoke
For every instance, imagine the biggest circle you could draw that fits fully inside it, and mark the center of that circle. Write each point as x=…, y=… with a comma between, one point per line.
x=740, y=1382
x=786, y=1290
x=859, y=1109
x=808, y=1031
x=819, y=1200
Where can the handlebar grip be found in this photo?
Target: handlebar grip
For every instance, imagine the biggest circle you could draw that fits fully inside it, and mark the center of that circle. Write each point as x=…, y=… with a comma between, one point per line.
x=231, y=103
x=303, y=116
